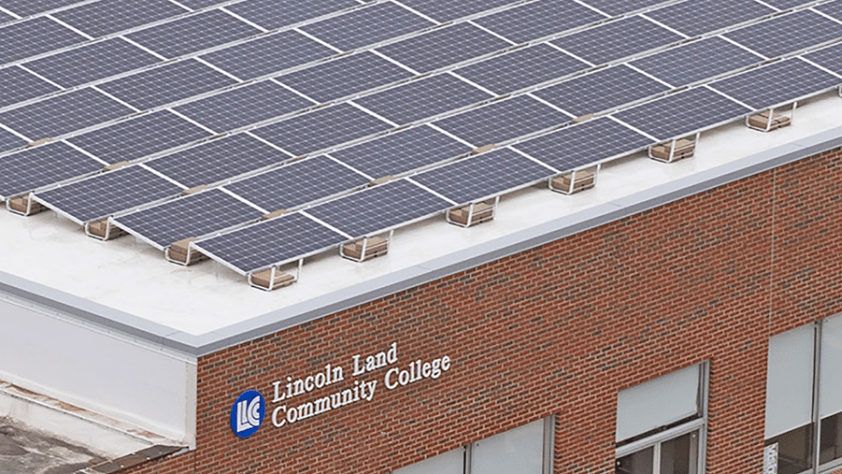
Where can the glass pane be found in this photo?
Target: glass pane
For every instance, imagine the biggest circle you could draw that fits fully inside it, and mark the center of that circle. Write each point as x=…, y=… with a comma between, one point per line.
x=794, y=450
x=678, y=456
x=519, y=450
x=831, y=439
x=451, y=462
x=637, y=463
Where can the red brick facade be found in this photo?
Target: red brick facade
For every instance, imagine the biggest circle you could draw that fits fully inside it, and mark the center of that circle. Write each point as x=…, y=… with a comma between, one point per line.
x=557, y=330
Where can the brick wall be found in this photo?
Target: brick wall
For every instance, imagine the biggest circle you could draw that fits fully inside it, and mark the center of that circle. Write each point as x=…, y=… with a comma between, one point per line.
x=557, y=330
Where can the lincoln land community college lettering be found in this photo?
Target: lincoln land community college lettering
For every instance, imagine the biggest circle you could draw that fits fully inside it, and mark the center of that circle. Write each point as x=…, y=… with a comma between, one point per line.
x=395, y=377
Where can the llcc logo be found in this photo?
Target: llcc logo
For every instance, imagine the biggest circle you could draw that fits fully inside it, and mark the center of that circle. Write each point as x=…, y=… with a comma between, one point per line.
x=247, y=414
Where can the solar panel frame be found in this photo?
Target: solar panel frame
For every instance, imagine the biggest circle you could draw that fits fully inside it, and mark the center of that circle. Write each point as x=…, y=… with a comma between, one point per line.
x=199, y=4
x=833, y=9
x=20, y=85
x=25, y=8
x=34, y=37
x=787, y=34
x=42, y=166
x=786, y=4
x=4, y=18
x=540, y=19
x=620, y=7
x=106, y=17
x=445, y=10
x=829, y=58
x=273, y=14
x=697, y=17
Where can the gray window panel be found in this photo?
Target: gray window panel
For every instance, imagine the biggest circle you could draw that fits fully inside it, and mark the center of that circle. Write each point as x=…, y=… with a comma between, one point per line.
x=682, y=113
x=778, y=83
x=10, y=141
x=789, y=381
x=321, y=129
x=192, y=216
x=503, y=121
x=446, y=10
x=345, y=77
x=423, y=99
x=518, y=450
x=17, y=85
x=367, y=26
x=272, y=14
x=167, y=84
x=133, y=139
x=444, y=47
x=539, y=19
x=34, y=37
x=521, y=69
x=696, y=61
x=379, y=208
x=401, y=152
x=217, y=160
x=110, y=16
x=63, y=114
x=258, y=246
x=31, y=169
x=244, y=106
x=787, y=34
x=105, y=194
x=584, y=144
x=93, y=62
x=601, y=90
x=268, y=55
x=695, y=17
x=786, y=4
x=25, y=8
x=833, y=9
x=297, y=184
x=616, y=40
x=195, y=33
x=830, y=58
x=482, y=176
x=619, y=7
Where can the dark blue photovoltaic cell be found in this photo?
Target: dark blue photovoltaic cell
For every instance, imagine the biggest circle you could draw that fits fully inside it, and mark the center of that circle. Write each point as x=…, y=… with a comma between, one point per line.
x=63, y=114
x=272, y=14
x=199, y=4
x=5, y=18
x=616, y=40
x=539, y=19
x=194, y=33
x=167, y=84
x=446, y=10
x=786, y=4
x=25, y=8
x=217, y=160
x=829, y=58
x=401, y=152
x=34, y=37
x=521, y=69
x=619, y=7
x=833, y=9
x=367, y=26
x=787, y=34
x=268, y=55
x=584, y=144
x=17, y=85
x=244, y=106
x=31, y=169
x=10, y=141
x=92, y=63
x=696, y=17
x=298, y=183
x=110, y=16
x=423, y=99
x=139, y=137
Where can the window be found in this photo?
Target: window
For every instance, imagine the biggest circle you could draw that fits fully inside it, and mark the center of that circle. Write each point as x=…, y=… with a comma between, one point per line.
x=661, y=424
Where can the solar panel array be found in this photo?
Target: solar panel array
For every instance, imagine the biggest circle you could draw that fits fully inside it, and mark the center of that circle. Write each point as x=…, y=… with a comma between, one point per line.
x=172, y=90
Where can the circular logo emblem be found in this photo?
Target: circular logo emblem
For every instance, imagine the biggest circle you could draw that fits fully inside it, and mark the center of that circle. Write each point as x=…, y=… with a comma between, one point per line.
x=247, y=414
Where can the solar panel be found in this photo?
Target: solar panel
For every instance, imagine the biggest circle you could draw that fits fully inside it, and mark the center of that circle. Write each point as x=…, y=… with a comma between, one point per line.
x=345, y=77
x=786, y=4
x=616, y=40
x=139, y=137
x=34, y=37
x=34, y=168
x=244, y=106
x=829, y=58
x=379, y=208
x=696, y=17
x=110, y=16
x=682, y=113
x=521, y=69
x=194, y=33
x=503, y=120
x=322, y=129
x=298, y=183
x=192, y=216
x=584, y=144
x=10, y=141
x=696, y=61
x=198, y=4
x=367, y=26
x=602, y=90
x=269, y=54
x=25, y=8
x=446, y=10
x=63, y=114
x=217, y=160
x=93, y=62
x=539, y=19
x=272, y=14
x=619, y=7
x=422, y=99
x=776, y=84
x=483, y=176
x=167, y=84
x=401, y=152
x=833, y=9
x=19, y=85
x=443, y=47
x=105, y=194
x=5, y=18
x=787, y=34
